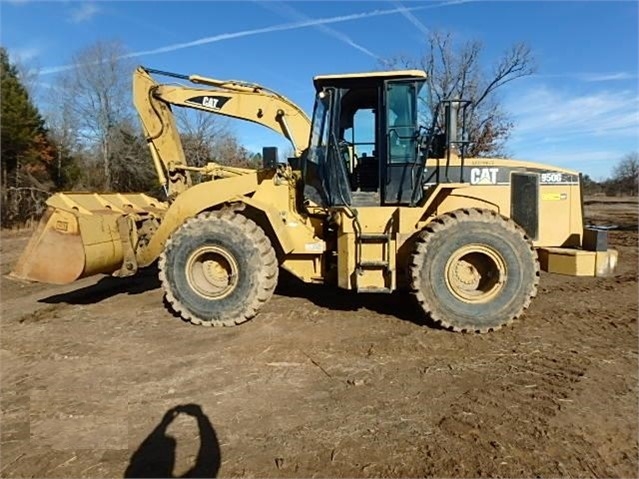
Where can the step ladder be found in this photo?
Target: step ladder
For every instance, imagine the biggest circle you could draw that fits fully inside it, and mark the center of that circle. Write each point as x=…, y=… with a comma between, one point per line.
x=383, y=263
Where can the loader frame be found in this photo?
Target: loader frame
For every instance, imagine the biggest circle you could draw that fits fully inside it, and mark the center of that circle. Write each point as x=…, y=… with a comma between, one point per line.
x=322, y=222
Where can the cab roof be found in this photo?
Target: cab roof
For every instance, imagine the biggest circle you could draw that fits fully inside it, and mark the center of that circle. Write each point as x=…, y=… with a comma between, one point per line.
x=321, y=81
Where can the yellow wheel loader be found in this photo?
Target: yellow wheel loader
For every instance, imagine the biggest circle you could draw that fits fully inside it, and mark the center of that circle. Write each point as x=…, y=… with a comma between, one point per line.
x=379, y=197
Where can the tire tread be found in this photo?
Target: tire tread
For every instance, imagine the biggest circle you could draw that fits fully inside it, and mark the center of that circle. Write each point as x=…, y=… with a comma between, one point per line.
x=266, y=278
x=450, y=220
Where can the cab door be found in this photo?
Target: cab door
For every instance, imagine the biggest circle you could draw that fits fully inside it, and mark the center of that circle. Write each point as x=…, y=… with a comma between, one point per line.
x=324, y=163
x=402, y=166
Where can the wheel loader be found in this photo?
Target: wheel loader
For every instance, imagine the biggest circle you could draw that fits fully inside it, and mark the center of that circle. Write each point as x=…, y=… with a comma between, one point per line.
x=378, y=197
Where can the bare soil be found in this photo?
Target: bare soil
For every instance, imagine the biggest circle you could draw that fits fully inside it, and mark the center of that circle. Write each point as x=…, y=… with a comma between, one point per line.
x=100, y=380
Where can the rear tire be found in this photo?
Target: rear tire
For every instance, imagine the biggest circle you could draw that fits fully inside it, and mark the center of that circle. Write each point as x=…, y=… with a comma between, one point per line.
x=218, y=269
x=474, y=270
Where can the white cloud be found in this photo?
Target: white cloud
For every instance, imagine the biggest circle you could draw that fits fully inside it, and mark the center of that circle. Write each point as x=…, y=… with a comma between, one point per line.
x=585, y=131
x=542, y=113
x=85, y=12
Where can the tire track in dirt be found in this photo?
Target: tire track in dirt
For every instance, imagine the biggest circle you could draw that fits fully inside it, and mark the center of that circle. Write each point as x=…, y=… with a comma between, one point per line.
x=506, y=423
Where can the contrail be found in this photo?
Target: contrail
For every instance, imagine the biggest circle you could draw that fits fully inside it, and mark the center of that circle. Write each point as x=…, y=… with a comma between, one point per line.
x=407, y=13
x=283, y=9
x=412, y=18
x=590, y=77
x=256, y=31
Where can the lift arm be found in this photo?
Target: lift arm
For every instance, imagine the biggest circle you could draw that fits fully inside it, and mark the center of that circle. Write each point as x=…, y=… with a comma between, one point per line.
x=234, y=99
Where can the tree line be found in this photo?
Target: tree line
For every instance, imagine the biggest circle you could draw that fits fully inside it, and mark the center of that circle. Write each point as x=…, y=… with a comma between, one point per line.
x=624, y=180
x=87, y=136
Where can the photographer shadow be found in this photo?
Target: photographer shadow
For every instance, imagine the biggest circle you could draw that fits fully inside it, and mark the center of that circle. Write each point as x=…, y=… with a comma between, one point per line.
x=155, y=457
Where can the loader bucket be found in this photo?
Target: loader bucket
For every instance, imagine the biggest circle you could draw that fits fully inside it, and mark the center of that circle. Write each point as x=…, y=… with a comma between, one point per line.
x=78, y=236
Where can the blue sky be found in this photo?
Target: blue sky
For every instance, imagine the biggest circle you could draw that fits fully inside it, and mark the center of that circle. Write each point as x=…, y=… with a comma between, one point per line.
x=580, y=110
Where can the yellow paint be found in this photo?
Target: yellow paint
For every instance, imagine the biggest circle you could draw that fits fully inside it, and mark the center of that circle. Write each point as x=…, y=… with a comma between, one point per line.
x=554, y=196
x=250, y=102
x=575, y=262
x=107, y=230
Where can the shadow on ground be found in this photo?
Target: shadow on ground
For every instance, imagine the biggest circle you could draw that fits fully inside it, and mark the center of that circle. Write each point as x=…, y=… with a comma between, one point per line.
x=107, y=287
x=155, y=457
x=399, y=304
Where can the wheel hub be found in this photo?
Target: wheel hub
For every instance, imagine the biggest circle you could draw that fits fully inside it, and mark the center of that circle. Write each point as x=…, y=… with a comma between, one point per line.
x=211, y=271
x=215, y=273
x=466, y=273
x=475, y=273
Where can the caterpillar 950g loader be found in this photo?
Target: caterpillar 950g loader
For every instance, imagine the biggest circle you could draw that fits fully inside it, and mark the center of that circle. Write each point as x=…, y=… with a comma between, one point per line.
x=373, y=201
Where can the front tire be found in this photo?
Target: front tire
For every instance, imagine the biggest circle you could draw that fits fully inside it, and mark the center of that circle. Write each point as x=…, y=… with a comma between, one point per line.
x=474, y=270
x=218, y=269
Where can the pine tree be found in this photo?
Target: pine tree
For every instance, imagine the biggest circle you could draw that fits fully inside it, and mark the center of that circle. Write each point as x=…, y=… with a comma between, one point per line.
x=26, y=150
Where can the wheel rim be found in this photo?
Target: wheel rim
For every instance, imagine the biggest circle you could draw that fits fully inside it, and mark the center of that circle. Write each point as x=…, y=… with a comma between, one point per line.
x=211, y=271
x=475, y=273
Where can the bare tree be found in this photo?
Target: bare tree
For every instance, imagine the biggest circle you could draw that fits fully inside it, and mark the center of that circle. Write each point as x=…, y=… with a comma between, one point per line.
x=209, y=137
x=62, y=130
x=456, y=71
x=131, y=162
x=95, y=97
x=200, y=132
x=625, y=175
x=229, y=151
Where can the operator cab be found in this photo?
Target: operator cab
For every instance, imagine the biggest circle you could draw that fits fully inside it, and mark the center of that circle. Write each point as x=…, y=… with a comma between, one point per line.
x=364, y=148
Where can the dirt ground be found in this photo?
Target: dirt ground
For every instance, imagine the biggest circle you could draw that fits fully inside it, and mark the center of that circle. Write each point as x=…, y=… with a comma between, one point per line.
x=99, y=380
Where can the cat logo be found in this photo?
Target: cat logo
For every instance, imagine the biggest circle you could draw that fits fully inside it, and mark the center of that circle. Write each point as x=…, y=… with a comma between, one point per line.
x=210, y=102
x=483, y=176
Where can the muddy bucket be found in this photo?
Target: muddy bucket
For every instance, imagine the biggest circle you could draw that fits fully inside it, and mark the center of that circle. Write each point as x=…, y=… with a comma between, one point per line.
x=78, y=236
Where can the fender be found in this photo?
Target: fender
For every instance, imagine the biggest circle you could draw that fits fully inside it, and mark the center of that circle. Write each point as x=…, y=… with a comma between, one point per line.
x=447, y=197
x=203, y=197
